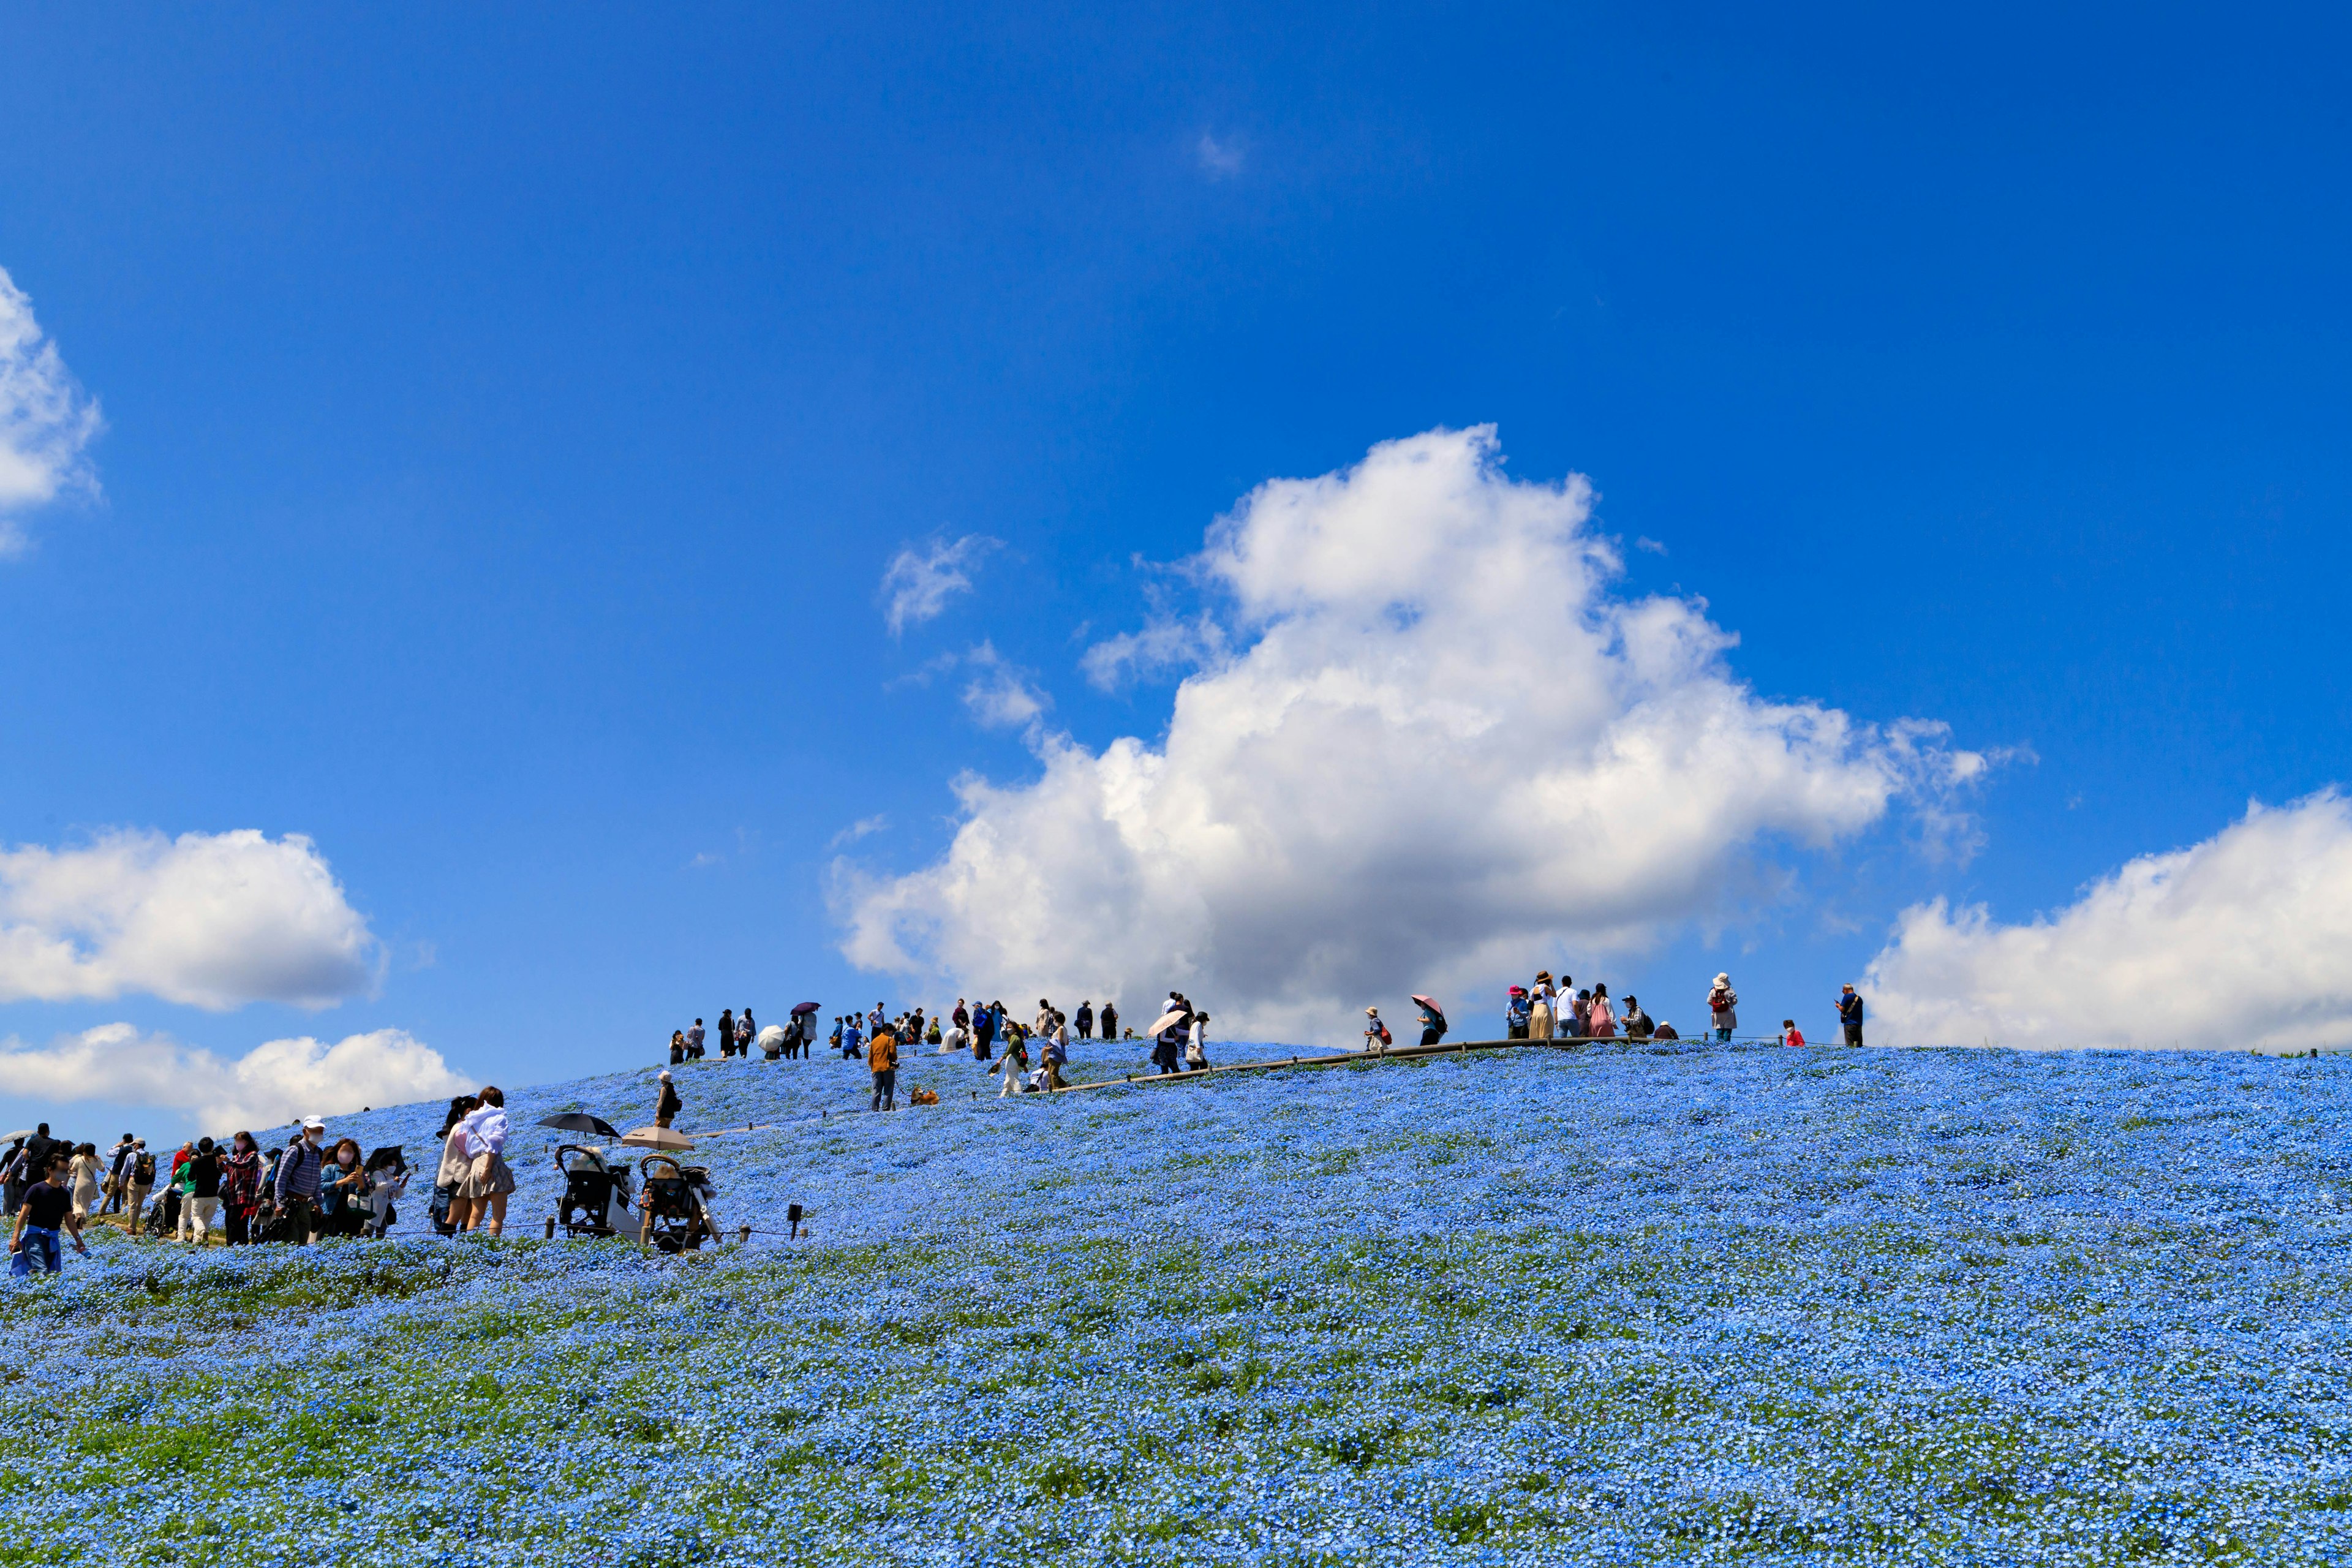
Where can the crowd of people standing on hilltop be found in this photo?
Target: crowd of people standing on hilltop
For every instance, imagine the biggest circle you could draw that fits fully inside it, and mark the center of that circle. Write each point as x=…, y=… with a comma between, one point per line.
x=1545, y=1010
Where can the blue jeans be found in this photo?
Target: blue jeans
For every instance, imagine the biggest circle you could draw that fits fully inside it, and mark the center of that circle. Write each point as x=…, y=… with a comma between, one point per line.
x=41, y=1243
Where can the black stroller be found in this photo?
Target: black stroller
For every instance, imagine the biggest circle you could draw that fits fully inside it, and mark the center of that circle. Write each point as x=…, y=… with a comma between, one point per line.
x=677, y=1216
x=163, y=1215
x=595, y=1195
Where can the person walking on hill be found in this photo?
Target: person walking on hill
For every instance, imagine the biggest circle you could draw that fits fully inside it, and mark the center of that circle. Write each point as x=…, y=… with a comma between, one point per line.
x=1850, y=1014
x=201, y=1201
x=726, y=1033
x=1377, y=1039
x=1637, y=1023
x=1196, y=1045
x=487, y=1180
x=1600, y=1019
x=299, y=1170
x=666, y=1104
x=1110, y=1020
x=1085, y=1019
x=450, y=1205
x=747, y=1029
x=693, y=1041
x=983, y=1034
x=1722, y=1005
x=1519, y=1015
x=1055, y=1053
x=82, y=1171
x=240, y=1187
x=882, y=1060
x=1789, y=1034
x=46, y=1210
x=1542, y=1019
x=1171, y=1041
x=1015, y=1068
x=118, y=1170
x=138, y=1181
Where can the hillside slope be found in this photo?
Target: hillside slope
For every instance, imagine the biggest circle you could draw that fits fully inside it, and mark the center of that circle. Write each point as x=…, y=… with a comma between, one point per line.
x=1670, y=1304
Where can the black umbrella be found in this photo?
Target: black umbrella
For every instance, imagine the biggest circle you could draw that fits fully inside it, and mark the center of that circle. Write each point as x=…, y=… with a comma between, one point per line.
x=388, y=1158
x=581, y=1122
x=803, y=1007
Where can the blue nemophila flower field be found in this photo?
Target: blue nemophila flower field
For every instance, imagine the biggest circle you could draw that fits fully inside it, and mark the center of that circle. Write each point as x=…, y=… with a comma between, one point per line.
x=1622, y=1305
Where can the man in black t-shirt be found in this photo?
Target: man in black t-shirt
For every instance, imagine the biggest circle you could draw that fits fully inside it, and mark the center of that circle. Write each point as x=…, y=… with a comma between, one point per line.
x=47, y=1206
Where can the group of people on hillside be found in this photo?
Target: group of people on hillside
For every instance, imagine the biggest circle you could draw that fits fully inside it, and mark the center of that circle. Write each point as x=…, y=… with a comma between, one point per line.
x=736, y=1035
x=1549, y=1011
x=55, y=1189
x=1545, y=1011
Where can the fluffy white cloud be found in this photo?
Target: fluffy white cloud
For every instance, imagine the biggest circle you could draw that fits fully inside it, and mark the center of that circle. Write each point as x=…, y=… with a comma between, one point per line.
x=918, y=584
x=1434, y=747
x=46, y=423
x=2239, y=940
x=270, y=1085
x=212, y=920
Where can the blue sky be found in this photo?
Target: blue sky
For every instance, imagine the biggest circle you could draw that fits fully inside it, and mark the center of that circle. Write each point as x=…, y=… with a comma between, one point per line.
x=509, y=420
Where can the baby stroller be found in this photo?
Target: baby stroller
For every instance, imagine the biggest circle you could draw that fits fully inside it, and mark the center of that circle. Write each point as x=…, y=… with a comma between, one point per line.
x=164, y=1213
x=678, y=1216
x=595, y=1195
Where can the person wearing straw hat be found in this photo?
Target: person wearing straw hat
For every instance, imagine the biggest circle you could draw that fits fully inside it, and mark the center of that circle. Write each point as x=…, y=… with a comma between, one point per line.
x=1539, y=1019
x=1722, y=1005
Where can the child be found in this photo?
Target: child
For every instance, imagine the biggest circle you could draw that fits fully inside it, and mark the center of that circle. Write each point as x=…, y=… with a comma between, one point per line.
x=1789, y=1034
x=1015, y=1067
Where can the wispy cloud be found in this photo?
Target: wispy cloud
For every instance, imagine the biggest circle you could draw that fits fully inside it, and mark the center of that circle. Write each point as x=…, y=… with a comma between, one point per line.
x=920, y=580
x=47, y=421
x=1000, y=695
x=860, y=829
x=1219, y=160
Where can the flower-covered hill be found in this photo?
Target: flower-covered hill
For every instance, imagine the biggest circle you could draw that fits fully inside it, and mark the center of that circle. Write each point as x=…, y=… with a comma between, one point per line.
x=1624, y=1305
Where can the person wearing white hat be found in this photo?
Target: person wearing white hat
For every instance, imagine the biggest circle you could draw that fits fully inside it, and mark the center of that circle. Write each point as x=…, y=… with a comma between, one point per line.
x=298, y=1182
x=1722, y=1004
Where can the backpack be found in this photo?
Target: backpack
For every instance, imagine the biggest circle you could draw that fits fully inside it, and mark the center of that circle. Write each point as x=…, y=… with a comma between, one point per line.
x=1386, y=1038
x=143, y=1174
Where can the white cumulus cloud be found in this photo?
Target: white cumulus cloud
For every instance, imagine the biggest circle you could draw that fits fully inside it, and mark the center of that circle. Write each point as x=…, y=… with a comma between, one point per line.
x=46, y=422
x=1434, y=747
x=270, y=1085
x=918, y=582
x=212, y=920
x=2236, y=942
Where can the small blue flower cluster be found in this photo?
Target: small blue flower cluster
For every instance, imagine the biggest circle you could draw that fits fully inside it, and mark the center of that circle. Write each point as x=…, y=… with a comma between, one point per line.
x=1612, y=1305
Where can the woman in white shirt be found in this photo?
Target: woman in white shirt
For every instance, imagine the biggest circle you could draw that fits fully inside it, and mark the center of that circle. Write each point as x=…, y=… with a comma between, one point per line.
x=451, y=1176
x=1196, y=1045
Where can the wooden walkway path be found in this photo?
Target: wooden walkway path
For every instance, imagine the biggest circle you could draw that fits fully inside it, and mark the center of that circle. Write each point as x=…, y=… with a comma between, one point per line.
x=1333, y=1059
